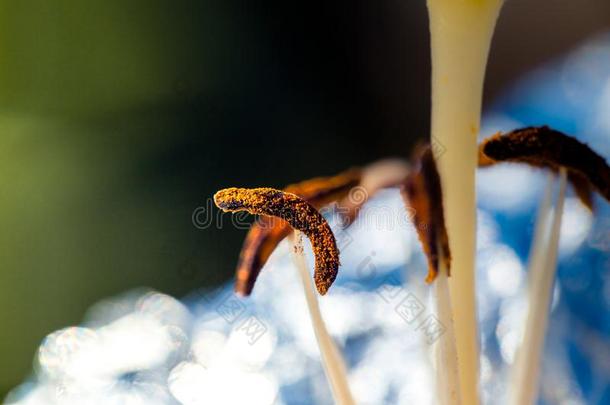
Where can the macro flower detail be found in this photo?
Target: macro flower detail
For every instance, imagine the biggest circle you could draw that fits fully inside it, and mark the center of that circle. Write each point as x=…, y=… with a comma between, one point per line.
x=422, y=191
x=299, y=214
x=267, y=232
x=378, y=175
x=350, y=189
x=548, y=148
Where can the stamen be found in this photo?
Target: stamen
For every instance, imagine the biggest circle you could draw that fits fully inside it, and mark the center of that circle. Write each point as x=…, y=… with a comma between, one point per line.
x=262, y=239
x=299, y=214
x=321, y=191
x=548, y=148
x=267, y=232
x=375, y=177
x=422, y=191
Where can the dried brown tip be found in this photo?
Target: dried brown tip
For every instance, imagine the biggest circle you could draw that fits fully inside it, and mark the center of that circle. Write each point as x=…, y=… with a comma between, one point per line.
x=267, y=232
x=548, y=148
x=299, y=214
x=375, y=177
x=422, y=191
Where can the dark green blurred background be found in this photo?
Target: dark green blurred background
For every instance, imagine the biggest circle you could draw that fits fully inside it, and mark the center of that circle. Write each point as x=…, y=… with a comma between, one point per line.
x=119, y=118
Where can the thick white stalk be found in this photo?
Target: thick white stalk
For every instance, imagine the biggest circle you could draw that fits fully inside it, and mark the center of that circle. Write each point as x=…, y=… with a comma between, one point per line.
x=332, y=360
x=446, y=362
x=461, y=32
x=542, y=269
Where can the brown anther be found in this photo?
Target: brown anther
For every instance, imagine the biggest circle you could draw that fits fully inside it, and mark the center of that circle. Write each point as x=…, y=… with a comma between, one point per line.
x=422, y=192
x=299, y=214
x=548, y=148
x=376, y=176
x=267, y=232
x=582, y=187
x=321, y=191
x=262, y=239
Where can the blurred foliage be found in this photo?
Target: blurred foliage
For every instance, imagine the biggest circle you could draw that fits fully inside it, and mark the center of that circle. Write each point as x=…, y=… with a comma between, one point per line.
x=84, y=57
x=85, y=207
